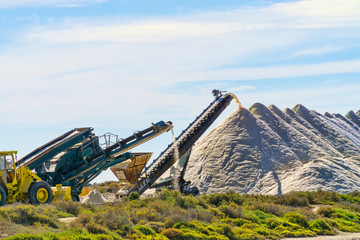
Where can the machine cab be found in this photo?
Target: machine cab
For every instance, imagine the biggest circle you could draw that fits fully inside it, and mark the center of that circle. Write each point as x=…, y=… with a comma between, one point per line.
x=7, y=165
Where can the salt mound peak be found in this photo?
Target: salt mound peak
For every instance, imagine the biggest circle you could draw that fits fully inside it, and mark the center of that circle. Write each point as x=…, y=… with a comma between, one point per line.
x=261, y=111
x=353, y=117
x=300, y=109
x=269, y=151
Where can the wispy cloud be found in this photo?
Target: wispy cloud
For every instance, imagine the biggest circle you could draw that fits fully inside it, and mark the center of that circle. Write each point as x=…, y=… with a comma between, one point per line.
x=4, y=4
x=283, y=71
x=84, y=69
x=135, y=32
x=318, y=50
x=241, y=88
x=320, y=8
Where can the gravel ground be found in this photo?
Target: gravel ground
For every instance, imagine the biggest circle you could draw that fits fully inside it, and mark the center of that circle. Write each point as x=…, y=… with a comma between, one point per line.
x=340, y=236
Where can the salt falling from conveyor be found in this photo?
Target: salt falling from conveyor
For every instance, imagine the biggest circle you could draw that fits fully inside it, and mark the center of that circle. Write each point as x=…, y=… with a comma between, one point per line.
x=176, y=170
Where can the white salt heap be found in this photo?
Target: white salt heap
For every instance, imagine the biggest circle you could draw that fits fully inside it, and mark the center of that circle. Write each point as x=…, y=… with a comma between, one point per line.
x=269, y=151
x=94, y=197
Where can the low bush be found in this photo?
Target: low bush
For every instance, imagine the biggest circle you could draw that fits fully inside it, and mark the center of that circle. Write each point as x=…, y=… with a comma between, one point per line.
x=297, y=218
x=232, y=210
x=70, y=207
x=173, y=234
x=145, y=230
x=170, y=215
x=24, y=236
x=134, y=196
x=158, y=227
x=321, y=227
x=30, y=215
x=325, y=211
x=293, y=199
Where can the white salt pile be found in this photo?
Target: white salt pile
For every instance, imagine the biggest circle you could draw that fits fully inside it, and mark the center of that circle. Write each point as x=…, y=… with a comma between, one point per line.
x=110, y=197
x=269, y=151
x=149, y=193
x=95, y=198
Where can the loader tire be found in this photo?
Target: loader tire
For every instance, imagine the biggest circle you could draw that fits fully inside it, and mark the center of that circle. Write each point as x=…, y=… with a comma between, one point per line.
x=40, y=192
x=75, y=197
x=2, y=196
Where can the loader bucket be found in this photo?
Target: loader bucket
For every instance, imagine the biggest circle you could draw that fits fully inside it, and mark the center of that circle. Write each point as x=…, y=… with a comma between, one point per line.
x=61, y=193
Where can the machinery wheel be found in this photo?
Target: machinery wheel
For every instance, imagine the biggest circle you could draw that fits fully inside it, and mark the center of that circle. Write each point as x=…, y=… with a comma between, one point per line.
x=40, y=192
x=75, y=197
x=2, y=196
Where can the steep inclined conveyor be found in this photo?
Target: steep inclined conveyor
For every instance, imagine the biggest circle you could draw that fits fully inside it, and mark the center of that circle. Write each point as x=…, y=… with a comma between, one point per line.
x=183, y=142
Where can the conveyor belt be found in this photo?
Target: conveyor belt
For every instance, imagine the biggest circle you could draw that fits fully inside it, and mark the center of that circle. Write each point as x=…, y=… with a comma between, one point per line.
x=77, y=157
x=184, y=142
x=42, y=154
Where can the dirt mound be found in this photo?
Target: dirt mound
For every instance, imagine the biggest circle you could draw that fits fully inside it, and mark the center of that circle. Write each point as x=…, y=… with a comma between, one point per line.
x=269, y=151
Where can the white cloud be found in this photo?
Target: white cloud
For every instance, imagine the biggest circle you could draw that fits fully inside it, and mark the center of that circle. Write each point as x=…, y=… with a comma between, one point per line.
x=302, y=15
x=83, y=70
x=321, y=8
x=283, y=71
x=48, y=3
x=319, y=50
x=241, y=88
x=134, y=32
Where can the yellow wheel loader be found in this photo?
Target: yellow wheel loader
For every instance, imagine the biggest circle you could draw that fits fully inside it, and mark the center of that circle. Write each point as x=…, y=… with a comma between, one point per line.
x=21, y=184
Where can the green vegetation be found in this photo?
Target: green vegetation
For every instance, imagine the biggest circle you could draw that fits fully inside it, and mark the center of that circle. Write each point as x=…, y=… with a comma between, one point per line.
x=172, y=216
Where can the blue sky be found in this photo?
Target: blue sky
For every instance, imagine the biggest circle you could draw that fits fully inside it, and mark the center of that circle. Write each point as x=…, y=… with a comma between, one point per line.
x=119, y=65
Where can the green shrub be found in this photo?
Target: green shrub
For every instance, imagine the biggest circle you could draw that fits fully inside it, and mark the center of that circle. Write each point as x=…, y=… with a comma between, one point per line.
x=226, y=230
x=204, y=215
x=325, y=211
x=173, y=234
x=177, y=216
x=61, y=214
x=94, y=228
x=248, y=234
x=293, y=199
x=186, y=202
x=346, y=215
x=218, y=199
x=321, y=227
x=158, y=227
x=249, y=215
x=295, y=217
x=145, y=230
x=232, y=210
x=31, y=215
x=170, y=215
x=272, y=223
x=134, y=196
x=23, y=236
x=70, y=207
x=239, y=222
x=344, y=225
x=83, y=219
x=271, y=208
